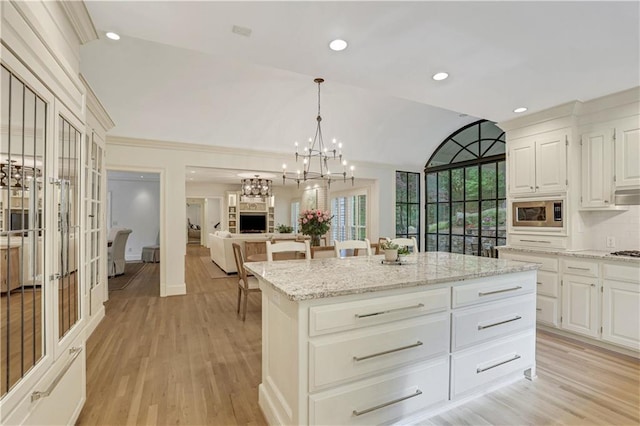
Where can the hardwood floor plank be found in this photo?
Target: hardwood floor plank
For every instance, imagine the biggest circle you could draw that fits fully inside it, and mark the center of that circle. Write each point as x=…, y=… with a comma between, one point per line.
x=188, y=360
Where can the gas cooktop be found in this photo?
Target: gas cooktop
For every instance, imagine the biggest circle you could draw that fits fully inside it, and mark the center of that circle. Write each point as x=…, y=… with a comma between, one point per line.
x=629, y=253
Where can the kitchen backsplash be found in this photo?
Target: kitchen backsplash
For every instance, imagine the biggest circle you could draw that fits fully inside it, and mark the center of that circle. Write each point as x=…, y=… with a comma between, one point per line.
x=623, y=226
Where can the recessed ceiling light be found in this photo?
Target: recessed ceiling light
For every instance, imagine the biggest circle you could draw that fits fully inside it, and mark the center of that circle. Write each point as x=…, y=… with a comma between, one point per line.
x=338, y=45
x=112, y=36
x=193, y=171
x=440, y=76
x=521, y=109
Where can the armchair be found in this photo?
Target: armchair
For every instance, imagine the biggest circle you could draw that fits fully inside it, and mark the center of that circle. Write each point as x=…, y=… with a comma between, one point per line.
x=115, y=253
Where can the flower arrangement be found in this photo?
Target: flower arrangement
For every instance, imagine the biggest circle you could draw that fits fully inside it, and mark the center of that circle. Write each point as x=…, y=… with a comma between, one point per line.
x=284, y=229
x=314, y=222
x=388, y=245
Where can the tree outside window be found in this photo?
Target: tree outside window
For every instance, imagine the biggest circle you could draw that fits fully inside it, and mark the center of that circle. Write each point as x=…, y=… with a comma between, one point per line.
x=408, y=205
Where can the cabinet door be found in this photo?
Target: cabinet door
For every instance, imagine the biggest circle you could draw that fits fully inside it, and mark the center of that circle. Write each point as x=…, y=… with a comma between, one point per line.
x=551, y=162
x=620, y=313
x=597, y=168
x=579, y=305
x=522, y=167
x=627, y=154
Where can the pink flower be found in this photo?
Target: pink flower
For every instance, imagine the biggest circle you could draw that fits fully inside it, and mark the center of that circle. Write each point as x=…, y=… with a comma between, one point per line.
x=310, y=216
x=320, y=219
x=304, y=220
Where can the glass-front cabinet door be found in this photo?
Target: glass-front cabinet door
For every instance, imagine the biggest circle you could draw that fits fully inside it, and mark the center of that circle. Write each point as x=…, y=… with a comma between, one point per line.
x=23, y=230
x=93, y=190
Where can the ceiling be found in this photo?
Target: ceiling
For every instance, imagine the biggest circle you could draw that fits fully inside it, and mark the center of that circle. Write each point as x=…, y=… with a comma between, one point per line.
x=179, y=73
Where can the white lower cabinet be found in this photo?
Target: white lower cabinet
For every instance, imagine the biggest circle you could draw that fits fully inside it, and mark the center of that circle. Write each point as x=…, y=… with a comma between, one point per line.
x=383, y=398
x=580, y=287
x=620, y=304
x=548, y=311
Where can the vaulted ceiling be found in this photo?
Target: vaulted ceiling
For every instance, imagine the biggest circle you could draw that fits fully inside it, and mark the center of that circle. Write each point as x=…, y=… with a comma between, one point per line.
x=179, y=73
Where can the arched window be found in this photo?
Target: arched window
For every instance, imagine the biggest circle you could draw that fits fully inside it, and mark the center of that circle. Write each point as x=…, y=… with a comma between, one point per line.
x=466, y=191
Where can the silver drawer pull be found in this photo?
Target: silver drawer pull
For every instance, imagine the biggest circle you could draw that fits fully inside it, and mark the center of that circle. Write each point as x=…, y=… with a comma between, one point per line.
x=386, y=404
x=482, y=327
x=498, y=291
x=75, y=351
x=390, y=351
x=538, y=309
x=579, y=269
x=480, y=370
x=536, y=241
x=418, y=306
x=538, y=282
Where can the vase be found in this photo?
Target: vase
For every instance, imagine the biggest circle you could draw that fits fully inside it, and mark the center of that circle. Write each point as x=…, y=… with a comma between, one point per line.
x=315, y=240
x=391, y=255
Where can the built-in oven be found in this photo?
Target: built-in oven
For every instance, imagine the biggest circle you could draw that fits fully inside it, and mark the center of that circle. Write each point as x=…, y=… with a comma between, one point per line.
x=540, y=214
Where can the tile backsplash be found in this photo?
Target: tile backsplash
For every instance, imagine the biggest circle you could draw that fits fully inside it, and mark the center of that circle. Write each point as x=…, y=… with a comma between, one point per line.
x=623, y=226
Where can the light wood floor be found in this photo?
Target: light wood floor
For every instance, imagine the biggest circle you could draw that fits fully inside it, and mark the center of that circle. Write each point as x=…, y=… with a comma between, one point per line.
x=188, y=360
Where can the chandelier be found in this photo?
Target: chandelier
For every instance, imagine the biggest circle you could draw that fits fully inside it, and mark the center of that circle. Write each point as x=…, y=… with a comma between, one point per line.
x=17, y=177
x=256, y=187
x=328, y=159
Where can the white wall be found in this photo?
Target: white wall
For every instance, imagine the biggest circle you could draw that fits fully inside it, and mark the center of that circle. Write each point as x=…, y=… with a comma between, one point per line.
x=135, y=204
x=624, y=226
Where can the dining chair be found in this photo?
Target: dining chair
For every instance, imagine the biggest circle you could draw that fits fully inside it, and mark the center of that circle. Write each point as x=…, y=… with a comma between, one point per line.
x=322, y=252
x=411, y=243
x=246, y=284
x=295, y=247
x=355, y=245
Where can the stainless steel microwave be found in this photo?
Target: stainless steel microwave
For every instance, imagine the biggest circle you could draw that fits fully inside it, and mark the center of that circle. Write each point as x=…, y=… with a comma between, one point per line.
x=544, y=213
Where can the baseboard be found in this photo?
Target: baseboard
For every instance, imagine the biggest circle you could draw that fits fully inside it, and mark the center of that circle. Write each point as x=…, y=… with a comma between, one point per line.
x=175, y=290
x=133, y=257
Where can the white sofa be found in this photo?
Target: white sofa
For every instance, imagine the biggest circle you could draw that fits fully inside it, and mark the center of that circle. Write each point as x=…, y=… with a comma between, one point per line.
x=221, y=250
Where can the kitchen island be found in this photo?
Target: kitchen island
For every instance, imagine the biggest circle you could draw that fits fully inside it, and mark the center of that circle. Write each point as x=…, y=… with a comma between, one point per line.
x=356, y=341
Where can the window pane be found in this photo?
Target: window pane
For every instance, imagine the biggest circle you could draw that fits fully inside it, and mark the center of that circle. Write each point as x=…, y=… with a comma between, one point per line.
x=502, y=181
x=443, y=218
x=489, y=185
x=443, y=186
x=432, y=187
x=496, y=149
x=471, y=245
x=414, y=187
x=401, y=219
x=471, y=183
x=457, y=223
x=443, y=243
x=489, y=220
x=457, y=184
x=432, y=221
x=502, y=218
x=431, y=242
x=457, y=244
x=471, y=219
x=414, y=218
x=401, y=187
x=467, y=137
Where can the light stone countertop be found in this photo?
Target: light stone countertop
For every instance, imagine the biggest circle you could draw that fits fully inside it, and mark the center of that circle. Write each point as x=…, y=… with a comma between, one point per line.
x=320, y=278
x=587, y=254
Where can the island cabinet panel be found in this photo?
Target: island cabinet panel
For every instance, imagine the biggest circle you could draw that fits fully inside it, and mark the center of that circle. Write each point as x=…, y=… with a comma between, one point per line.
x=488, y=363
x=480, y=324
x=347, y=316
x=489, y=290
x=382, y=398
x=347, y=356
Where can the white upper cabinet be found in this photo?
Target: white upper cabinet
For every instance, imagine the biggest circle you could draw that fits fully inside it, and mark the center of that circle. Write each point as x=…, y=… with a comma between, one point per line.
x=627, y=147
x=538, y=164
x=597, y=168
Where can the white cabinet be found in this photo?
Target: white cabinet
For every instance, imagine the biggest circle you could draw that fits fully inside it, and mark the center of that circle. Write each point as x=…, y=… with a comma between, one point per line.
x=538, y=164
x=597, y=168
x=627, y=147
x=580, y=297
x=620, y=302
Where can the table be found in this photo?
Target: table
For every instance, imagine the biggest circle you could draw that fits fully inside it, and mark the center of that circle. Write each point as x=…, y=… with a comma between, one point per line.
x=285, y=255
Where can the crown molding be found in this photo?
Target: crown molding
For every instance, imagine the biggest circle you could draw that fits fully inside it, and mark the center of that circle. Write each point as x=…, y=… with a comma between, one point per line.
x=95, y=106
x=561, y=111
x=80, y=19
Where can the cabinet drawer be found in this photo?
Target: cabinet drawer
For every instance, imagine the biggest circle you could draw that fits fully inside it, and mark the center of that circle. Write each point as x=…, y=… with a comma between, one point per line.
x=383, y=398
x=351, y=315
x=547, y=283
x=629, y=273
x=578, y=267
x=477, y=325
x=542, y=241
x=499, y=287
x=335, y=359
x=546, y=263
x=491, y=362
x=547, y=310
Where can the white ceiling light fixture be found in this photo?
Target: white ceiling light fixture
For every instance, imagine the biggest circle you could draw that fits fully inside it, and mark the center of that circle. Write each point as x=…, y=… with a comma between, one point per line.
x=317, y=154
x=338, y=45
x=440, y=76
x=113, y=36
x=520, y=109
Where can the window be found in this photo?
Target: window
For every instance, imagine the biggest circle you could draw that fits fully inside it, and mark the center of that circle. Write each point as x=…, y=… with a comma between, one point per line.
x=466, y=191
x=349, y=217
x=408, y=205
x=295, y=214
